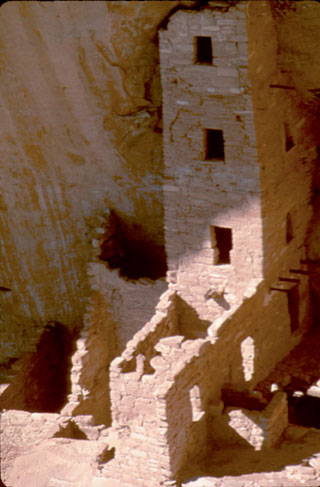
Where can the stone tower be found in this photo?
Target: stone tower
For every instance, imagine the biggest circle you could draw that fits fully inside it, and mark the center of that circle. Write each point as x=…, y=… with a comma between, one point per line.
x=212, y=193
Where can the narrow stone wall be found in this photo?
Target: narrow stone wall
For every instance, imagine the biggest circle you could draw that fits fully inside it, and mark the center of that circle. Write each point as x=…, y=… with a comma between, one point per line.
x=141, y=451
x=96, y=347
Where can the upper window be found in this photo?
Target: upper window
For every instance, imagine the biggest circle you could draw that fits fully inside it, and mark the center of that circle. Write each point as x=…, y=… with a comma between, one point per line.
x=214, y=145
x=203, y=50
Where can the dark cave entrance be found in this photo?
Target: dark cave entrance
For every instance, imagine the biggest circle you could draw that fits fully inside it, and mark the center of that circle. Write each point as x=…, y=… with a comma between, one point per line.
x=127, y=247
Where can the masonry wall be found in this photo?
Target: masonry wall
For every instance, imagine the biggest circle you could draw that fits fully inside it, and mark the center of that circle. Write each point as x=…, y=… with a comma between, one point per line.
x=141, y=450
x=200, y=194
x=95, y=349
x=131, y=302
x=166, y=388
x=251, y=321
x=200, y=369
x=286, y=133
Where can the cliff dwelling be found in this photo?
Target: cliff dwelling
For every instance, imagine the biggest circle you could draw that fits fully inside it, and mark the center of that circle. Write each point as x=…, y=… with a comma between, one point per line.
x=160, y=228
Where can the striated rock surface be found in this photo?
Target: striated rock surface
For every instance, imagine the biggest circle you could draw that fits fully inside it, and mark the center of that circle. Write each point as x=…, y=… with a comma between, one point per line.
x=80, y=127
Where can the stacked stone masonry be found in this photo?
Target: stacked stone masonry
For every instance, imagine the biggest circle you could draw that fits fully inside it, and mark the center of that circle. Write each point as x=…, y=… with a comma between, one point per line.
x=178, y=402
x=154, y=357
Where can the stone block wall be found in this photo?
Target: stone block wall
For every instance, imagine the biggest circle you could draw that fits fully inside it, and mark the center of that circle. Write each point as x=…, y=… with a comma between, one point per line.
x=138, y=360
x=116, y=309
x=141, y=450
x=261, y=429
x=248, y=190
x=131, y=302
x=286, y=145
x=95, y=348
x=202, y=192
x=163, y=414
x=249, y=322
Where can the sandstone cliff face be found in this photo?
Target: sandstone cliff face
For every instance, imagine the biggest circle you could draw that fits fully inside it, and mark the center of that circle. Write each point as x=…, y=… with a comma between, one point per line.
x=81, y=130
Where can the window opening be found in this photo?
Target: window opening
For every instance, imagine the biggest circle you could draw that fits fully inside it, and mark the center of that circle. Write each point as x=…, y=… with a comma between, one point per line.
x=247, y=353
x=203, y=50
x=214, y=145
x=289, y=138
x=222, y=244
x=293, y=308
x=289, y=228
x=195, y=400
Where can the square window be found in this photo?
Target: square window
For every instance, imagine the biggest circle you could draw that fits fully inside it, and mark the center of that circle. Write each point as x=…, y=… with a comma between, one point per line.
x=203, y=50
x=214, y=145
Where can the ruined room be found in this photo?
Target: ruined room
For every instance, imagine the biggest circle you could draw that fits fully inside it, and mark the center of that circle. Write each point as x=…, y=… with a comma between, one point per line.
x=160, y=243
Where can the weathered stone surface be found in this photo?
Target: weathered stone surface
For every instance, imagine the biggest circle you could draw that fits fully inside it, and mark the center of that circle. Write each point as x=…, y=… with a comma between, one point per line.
x=230, y=313
x=56, y=462
x=22, y=431
x=80, y=125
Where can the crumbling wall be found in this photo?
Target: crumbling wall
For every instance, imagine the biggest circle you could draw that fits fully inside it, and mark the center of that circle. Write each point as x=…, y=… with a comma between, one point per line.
x=117, y=308
x=261, y=429
x=166, y=390
x=140, y=449
x=137, y=361
x=130, y=302
x=95, y=349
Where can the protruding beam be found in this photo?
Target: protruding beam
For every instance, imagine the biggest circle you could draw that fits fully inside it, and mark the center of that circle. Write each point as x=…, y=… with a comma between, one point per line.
x=284, y=287
x=303, y=272
x=290, y=279
x=283, y=87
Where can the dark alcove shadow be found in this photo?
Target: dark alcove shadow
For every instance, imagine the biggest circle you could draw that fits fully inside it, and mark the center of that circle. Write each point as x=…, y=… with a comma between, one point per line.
x=43, y=380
